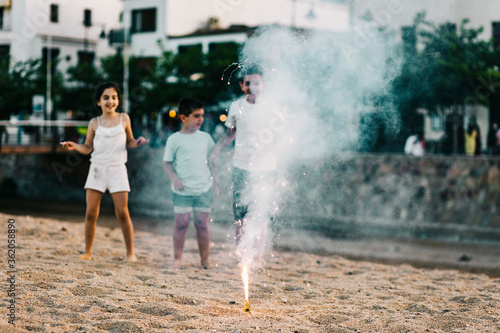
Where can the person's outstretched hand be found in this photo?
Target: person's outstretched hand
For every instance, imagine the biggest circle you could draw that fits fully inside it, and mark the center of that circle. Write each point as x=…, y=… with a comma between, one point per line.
x=69, y=145
x=141, y=141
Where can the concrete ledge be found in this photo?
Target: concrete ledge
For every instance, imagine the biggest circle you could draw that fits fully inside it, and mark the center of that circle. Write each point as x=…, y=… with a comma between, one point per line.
x=353, y=227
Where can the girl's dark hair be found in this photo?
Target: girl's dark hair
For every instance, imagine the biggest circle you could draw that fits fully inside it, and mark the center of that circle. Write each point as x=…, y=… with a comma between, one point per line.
x=188, y=105
x=471, y=128
x=100, y=90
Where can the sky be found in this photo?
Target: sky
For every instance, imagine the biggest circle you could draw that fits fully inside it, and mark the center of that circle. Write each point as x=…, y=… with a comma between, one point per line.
x=188, y=15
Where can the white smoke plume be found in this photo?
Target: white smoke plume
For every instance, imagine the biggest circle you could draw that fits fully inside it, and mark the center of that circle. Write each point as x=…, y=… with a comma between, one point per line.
x=317, y=85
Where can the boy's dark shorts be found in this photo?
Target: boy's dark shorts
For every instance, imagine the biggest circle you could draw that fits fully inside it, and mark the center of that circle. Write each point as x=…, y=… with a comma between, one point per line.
x=240, y=186
x=187, y=203
x=240, y=182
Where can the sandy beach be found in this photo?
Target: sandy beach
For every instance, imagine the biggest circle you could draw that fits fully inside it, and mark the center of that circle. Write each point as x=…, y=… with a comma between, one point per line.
x=295, y=291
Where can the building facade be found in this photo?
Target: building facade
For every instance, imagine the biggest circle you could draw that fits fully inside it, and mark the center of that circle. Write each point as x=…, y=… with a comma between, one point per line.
x=72, y=31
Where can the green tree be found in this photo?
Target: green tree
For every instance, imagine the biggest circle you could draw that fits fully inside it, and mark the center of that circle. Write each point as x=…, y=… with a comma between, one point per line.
x=18, y=83
x=78, y=94
x=112, y=68
x=188, y=73
x=444, y=73
x=218, y=60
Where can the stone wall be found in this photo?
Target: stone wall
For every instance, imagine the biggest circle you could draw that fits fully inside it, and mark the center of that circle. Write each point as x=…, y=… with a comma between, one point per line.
x=436, y=197
x=456, y=198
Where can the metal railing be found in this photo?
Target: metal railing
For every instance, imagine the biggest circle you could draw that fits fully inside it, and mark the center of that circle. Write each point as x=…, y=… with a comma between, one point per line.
x=26, y=136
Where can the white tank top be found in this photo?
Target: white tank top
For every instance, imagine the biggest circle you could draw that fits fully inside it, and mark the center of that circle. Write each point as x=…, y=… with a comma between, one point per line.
x=110, y=144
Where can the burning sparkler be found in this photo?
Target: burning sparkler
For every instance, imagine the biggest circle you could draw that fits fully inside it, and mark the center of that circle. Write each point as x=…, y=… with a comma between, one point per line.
x=244, y=276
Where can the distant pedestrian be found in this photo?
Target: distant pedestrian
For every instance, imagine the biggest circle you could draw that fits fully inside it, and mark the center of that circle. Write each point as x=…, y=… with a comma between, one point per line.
x=497, y=146
x=491, y=140
x=414, y=146
x=471, y=139
x=479, y=140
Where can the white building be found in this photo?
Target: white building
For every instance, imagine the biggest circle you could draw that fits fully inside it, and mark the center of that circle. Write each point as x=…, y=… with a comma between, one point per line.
x=157, y=25
x=188, y=15
x=145, y=22
x=70, y=29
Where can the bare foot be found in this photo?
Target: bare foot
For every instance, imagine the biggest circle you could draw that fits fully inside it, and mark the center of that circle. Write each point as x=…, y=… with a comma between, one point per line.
x=176, y=264
x=131, y=257
x=205, y=265
x=85, y=256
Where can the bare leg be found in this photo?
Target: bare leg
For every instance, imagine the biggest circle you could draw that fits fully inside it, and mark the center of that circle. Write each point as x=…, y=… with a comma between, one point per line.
x=181, y=224
x=120, y=199
x=203, y=236
x=91, y=214
x=238, y=227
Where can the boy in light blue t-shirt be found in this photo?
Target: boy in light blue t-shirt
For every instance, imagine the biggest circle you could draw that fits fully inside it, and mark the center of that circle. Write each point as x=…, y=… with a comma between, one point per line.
x=186, y=162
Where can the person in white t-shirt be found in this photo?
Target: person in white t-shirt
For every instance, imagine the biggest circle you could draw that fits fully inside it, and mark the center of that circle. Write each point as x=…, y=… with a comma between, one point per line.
x=414, y=146
x=254, y=162
x=186, y=162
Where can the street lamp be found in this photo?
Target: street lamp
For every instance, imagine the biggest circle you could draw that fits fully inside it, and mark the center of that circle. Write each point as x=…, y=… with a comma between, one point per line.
x=48, y=92
x=311, y=14
x=102, y=34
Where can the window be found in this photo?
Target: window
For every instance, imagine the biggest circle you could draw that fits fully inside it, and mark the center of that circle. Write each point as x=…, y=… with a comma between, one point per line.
x=54, y=13
x=87, y=18
x=436, y=122
x=223, y=47
x=184, y=49
x=4, y=53
x=144, y=20
x=54, y=54
x=496, y=33
x=85, y=57
x=116, y=36
x=1, y=18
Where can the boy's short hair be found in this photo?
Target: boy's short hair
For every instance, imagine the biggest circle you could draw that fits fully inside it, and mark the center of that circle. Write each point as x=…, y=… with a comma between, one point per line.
x=249, y=69
x=188, y=105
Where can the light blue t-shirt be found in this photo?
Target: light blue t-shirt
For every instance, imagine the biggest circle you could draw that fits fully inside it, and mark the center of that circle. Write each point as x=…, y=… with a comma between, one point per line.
x=189, y=154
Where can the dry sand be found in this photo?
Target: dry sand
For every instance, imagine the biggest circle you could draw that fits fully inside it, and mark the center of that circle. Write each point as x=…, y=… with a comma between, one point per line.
x=295, y=292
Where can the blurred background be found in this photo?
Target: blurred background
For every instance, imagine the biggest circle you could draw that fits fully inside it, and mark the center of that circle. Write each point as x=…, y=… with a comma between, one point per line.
x=435, y=174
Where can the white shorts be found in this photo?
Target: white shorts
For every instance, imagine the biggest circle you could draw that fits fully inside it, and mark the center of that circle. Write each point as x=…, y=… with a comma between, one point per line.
x=113, y=178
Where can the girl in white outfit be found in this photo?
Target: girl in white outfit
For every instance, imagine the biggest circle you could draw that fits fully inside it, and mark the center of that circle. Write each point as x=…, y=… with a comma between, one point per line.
x=108, y=138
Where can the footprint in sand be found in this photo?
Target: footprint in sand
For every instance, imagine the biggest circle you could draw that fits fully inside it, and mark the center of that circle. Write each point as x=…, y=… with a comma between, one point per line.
x=160, y=311
x=120, y=326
